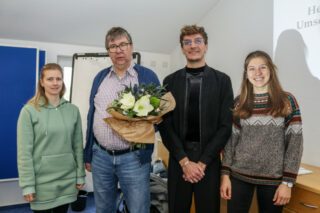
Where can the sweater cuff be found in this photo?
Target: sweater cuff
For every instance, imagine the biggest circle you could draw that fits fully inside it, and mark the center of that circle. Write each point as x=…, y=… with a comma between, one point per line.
x=80, y=180
x=289, y=177
x=28, y=190
x=225, y=170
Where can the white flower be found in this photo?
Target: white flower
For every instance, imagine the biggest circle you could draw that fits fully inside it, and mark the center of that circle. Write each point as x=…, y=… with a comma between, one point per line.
x=127, y=101
x=142, y=107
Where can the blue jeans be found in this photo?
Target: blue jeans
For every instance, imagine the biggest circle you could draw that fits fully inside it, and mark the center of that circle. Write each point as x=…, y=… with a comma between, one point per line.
x=134, y=180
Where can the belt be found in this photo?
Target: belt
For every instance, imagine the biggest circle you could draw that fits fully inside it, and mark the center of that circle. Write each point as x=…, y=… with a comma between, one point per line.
x=122, y=151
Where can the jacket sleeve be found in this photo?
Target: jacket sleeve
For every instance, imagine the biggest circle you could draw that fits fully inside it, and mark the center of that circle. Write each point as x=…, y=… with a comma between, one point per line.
x=77, y=144
x=25, y=139
x=89, y=132
x=222, y=135
x=293, y=142
x=169, y=137
x=154, y=79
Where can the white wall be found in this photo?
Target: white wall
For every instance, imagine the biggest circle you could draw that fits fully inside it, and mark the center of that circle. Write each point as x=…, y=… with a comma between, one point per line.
x=236, y=28
x=160, y=63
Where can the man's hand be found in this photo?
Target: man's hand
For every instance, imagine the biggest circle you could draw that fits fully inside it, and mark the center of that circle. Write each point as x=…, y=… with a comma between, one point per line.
x=192, y=172
x=202, y=165
x=88, y=166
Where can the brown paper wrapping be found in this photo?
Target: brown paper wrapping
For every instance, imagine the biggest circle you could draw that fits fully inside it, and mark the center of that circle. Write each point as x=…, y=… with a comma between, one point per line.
x=140, y=130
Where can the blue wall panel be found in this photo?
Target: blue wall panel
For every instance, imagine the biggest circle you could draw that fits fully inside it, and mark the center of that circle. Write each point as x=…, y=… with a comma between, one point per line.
x=18, y=67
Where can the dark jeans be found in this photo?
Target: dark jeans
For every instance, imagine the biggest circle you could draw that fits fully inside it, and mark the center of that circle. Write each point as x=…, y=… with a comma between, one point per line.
x=242, y=193
x=58, y=209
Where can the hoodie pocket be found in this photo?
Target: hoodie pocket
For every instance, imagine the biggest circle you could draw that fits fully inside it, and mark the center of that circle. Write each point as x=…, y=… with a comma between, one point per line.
x=56, y=167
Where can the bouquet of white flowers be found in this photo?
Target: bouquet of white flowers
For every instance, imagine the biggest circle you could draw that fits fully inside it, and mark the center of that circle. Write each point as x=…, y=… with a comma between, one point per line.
x=137, y=109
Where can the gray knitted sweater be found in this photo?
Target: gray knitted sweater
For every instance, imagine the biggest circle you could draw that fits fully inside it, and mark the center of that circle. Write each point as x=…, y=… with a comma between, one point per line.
x=264, y=149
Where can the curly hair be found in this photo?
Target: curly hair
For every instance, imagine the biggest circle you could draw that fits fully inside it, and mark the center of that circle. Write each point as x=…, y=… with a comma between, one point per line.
x=192, y=30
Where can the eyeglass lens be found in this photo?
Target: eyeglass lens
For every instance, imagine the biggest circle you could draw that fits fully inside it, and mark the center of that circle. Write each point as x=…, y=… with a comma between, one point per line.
x=196, y=41
x=122, y=46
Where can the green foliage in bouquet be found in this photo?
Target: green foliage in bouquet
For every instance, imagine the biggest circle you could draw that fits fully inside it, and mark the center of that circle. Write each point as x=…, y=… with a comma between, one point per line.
x=139, y=101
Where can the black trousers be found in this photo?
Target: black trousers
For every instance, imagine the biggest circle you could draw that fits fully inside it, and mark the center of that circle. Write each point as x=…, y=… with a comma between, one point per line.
x=206, y=191
x=242, y=194
x=58, y=209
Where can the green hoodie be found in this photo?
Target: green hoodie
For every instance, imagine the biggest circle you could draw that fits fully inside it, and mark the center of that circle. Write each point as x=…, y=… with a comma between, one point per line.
x=50, y=153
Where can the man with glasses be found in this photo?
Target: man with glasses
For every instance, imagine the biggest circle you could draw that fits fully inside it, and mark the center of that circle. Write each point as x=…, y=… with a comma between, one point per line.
x=112, y=159
x=198, y=128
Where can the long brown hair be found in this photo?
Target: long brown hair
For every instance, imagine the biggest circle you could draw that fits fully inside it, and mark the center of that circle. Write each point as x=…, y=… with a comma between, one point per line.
x=278, y=100
x=40, y=93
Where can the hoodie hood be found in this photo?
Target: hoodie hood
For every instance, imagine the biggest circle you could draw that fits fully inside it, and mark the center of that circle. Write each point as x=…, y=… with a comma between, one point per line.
x=49, y=106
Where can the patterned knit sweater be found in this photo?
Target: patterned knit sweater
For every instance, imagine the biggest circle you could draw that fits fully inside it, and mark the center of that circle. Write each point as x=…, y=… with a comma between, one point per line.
x=264, y=149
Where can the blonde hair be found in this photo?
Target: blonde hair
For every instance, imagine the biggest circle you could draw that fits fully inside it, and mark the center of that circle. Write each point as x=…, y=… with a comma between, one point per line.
x=40, y=93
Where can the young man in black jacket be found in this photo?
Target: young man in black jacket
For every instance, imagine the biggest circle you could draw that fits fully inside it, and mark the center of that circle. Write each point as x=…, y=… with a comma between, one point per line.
x=198, y=128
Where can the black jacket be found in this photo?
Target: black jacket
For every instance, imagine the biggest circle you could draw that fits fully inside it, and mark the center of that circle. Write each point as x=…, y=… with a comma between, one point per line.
x=216, y=102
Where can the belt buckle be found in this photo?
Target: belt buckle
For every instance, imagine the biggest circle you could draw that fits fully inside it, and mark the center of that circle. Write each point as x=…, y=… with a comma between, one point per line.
x=115, y=152
x=137, y=146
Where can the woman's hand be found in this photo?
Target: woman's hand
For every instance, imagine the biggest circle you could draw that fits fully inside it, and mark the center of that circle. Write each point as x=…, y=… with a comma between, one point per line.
x=79, y=186
x=282, y=195
x=29, y=197
x=88, y=166
x=225, y=187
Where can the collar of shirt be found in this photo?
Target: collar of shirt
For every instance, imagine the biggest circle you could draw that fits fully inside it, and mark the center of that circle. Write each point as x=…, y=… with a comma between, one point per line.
x=130, y=71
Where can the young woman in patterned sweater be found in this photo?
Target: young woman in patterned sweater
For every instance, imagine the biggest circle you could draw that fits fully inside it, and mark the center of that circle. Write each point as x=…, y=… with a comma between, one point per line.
x=265, y=149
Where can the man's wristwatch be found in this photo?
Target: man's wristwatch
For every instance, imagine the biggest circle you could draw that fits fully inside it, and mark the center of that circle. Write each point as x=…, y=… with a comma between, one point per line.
x=289, y=184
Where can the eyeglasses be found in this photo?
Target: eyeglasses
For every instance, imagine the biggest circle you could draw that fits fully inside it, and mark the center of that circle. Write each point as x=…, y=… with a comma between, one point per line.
x=122, y=46
x=196, y=41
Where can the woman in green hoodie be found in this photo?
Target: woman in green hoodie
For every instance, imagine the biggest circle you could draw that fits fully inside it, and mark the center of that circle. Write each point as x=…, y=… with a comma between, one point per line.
x=50, y=146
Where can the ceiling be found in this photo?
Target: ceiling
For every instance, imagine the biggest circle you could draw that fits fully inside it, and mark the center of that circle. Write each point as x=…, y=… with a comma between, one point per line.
x=153, y=24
